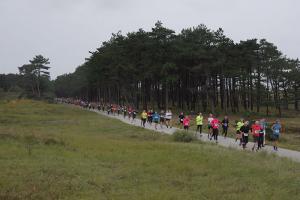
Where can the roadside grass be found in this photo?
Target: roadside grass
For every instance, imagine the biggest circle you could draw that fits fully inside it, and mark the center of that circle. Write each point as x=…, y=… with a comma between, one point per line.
x=76, y=154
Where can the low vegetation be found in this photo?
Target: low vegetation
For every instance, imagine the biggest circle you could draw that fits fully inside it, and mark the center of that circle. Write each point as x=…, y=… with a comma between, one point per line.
x=50, y=151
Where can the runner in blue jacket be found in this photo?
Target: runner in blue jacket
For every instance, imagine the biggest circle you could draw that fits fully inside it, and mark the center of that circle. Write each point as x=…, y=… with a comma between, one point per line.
x=156, y=119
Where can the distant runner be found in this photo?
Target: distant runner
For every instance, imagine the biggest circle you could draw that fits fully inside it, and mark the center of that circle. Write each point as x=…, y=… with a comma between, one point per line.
x=199, y=123
x=169, y=118
x=143, y=118
x=262, y=136
x=255, y=132
x=215, y=123
x=156, y=119
x=239, y=125
x=134, y=113
x=186, y=123
x=150, y=116
x=225, y=125
x=129, y=113
x=209, y=127
x=162, y=118
x=245, y=129
x=181, y=118
x=124, y=112
x=276, y=128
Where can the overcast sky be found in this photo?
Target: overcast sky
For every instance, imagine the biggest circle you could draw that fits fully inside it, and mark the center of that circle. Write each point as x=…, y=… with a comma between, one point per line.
x=65, y=30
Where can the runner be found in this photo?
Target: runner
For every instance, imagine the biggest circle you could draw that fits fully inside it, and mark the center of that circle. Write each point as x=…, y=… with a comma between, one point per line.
x=85, y=105
x=276, y=128
x=255, y=132
x=186, y=123
x=263, y=125
x=168, y=118
x=239, y=124
x=134, y=113
x=245, y=133
x=111, y=108
x=108, y=109
x=181, y=118
x=225, y=125
x=162, y=118
x=261, y=133
x=209, y=127
x=129, y=112
x=156, y=119
x=124, y=111
x=215, y=123
x=199, y=123
x=119, y=110
x=150, y=117
x=143, y=118
x=114, y=109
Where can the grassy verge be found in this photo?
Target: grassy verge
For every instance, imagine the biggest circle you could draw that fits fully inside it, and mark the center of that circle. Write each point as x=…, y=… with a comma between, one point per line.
x=50, y=151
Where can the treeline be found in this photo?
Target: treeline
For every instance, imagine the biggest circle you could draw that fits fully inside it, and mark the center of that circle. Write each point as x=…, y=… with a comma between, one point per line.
x=33, y=80
x=197, y=69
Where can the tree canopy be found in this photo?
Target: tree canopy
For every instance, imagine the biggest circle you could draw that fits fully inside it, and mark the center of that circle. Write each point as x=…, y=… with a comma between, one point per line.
x=33, y=79
x=196, y=69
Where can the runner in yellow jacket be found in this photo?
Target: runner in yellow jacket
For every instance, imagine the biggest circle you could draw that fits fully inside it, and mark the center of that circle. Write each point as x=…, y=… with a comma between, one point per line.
x=199, y=123
x=143, y=118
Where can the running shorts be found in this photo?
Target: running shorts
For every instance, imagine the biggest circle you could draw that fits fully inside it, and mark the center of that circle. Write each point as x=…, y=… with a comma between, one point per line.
x=275, y=137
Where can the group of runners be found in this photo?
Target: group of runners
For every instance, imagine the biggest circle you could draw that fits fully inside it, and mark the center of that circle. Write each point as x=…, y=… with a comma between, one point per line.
x=243, y=128
x=158, y=118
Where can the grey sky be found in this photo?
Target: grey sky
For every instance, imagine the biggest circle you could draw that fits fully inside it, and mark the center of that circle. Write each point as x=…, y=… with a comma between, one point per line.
x=65, y=30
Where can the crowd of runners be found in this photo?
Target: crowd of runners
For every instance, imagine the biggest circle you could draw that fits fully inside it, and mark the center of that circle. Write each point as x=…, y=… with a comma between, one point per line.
x=243, y=128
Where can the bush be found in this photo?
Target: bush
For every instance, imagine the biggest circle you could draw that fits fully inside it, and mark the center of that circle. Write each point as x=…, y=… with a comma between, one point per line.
x=52, y=141
x=183, y=136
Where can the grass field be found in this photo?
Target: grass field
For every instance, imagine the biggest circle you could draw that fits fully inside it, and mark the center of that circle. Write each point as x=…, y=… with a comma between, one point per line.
x=50, y=151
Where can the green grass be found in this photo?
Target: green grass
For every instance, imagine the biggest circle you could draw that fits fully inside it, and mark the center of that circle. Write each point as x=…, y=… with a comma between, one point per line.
x=50, y=151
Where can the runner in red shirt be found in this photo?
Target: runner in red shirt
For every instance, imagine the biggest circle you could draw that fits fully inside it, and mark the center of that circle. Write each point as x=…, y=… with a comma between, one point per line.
x=129, y=112
x=150, y=116
x=186, y=123
x=255, y=133
x=215, y=124
x=114, y=108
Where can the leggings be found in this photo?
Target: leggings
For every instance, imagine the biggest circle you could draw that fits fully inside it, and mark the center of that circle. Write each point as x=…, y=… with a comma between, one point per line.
x=260, y=140
x=215, y=134
x=245, y=140
x=199, y=128
x=143, y=122
x=225, y=130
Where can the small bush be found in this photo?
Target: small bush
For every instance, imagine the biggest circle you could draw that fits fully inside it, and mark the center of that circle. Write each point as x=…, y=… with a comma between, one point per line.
x=30, y=140
x=52, y=141
x=183, y=136
x=4, y=136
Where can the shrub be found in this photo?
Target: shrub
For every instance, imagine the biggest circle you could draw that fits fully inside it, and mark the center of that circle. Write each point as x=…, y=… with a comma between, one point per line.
x=52, y=141
x=183, y=136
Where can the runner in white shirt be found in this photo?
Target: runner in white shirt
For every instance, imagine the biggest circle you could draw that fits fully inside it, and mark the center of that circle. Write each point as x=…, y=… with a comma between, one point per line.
x=168, y=118
x=209, y=120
